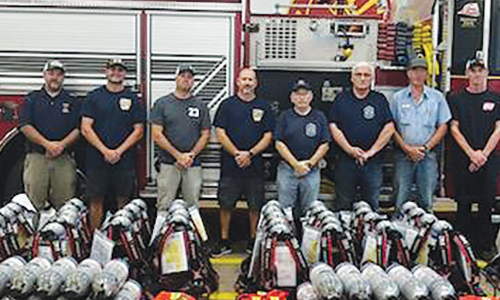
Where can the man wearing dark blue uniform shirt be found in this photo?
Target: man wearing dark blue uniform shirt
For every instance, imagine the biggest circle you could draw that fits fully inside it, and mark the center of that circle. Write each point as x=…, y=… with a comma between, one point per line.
x=49, y=119
x=302, y=139
x=112, y=123
x=361, y=124
x=244, y=126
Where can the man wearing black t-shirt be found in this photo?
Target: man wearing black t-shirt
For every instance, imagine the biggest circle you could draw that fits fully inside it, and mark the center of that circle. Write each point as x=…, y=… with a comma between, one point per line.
x=361, y=124
x=112, y=123
x=244, y=124
x=475, y=126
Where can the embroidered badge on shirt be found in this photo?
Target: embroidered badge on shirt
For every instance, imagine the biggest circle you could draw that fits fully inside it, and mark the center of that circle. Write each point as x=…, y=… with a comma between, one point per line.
x=65, y=108
x=257, y=114
x=193, y=112
x=488, y=106
x=311, y=130
x=125, y=104
x=369, y=112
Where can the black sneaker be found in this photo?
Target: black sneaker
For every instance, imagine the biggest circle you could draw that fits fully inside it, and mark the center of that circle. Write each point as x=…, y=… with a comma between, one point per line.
x=222, y=248
x=251, y=243
x=487, y=255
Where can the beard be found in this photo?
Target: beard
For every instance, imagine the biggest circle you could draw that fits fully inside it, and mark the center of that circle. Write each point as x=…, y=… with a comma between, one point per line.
x=54, y=85
x=115, y=81
x=247, y=89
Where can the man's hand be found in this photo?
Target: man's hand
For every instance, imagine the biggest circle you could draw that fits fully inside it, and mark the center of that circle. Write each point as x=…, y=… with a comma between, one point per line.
x=478, y=158
x=185, y=160
x=54, y=149
x=302, y=167
x=358, y=154
x=367, y=155
x=415, y=153
x=243, y=159
x=112, y=156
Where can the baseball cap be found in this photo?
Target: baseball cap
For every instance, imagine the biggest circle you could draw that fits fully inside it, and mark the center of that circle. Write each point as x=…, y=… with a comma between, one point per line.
x=301, y=84
x=116, y=62
x=53, y=64
x=475, y=62
x=185, y=68
x=417, y=63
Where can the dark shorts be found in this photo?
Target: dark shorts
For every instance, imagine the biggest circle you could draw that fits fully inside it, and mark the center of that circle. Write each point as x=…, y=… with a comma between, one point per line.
x=109, y=181
x=232, y=190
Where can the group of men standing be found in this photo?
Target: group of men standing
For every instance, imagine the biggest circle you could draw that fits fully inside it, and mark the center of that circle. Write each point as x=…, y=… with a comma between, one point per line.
x=361, y=122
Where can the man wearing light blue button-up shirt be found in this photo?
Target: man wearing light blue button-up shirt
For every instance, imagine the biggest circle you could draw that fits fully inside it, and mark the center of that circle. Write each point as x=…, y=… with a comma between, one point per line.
x=421, y=115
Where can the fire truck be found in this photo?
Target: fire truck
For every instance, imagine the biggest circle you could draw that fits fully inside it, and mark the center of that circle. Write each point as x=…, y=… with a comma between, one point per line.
x=284, y=40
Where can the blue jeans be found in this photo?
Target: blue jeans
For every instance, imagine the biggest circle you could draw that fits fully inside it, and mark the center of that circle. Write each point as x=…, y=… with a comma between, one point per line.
x=349, y=176
x=423, y=173
x=292, y=189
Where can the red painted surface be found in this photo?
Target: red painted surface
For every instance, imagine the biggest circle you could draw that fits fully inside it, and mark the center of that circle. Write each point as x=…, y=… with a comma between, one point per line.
x=8, y=102
x=237, y=46
x=391, y=78
x=143, y=88
x=246, y=35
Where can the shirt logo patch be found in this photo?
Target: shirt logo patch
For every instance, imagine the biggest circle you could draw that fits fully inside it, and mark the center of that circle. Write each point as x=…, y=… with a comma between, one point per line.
x=125, y=104
x=65, y=108
x=311, y=130
x=368, y=112
x=488, y=106
x=257, y=114
x=193, y=112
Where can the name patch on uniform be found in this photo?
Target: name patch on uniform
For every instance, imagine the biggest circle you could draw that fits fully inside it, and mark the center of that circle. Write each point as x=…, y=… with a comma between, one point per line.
x=257, y=114
x=193, y=112
x=311, y=130
x=125, y=104
x=405, y=106
x=488, y=106
x=368, y=112
x=65, y=108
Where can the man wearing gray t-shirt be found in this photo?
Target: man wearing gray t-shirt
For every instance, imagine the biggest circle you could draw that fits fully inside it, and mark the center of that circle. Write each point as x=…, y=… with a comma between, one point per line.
x=181, y=128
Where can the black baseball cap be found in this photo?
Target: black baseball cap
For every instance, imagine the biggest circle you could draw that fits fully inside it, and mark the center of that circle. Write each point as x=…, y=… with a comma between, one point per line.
x=53, y=65
x=301, y=84
x=185, y=68
x=116, y=62
x=475, y=62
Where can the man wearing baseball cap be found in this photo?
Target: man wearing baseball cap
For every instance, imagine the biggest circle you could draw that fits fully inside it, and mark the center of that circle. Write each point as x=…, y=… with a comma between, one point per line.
x=302, y=139
x=112, y=123
x=421, y=115
x=475, y=126
x=181, y=128
x=49, y=119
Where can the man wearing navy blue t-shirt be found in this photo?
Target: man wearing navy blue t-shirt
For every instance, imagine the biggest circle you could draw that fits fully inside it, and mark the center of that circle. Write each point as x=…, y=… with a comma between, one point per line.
x=112, y=123
x=49, y=119
x=361, y=124
x=244, y=126
x=302, y=139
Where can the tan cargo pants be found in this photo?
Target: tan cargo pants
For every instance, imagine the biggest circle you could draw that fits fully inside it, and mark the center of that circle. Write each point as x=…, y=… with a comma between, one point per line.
x=49, y=180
